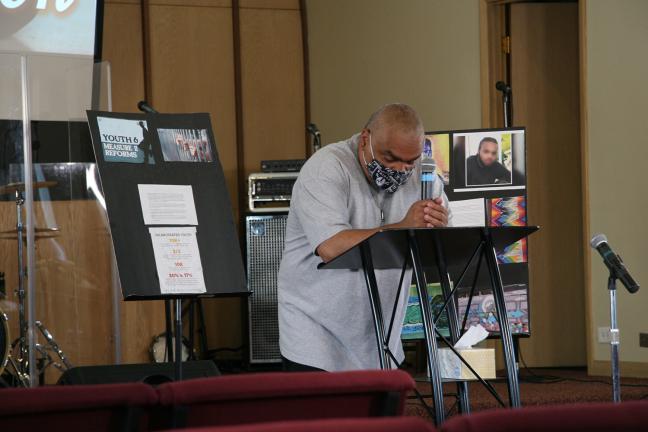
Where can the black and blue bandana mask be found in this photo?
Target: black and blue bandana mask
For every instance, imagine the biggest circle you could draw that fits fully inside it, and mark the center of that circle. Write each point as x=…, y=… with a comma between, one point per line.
x=385, y=178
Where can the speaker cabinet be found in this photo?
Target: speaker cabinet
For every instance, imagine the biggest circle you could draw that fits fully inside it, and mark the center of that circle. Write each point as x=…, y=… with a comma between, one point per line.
x=265, y=243
x=150, y=373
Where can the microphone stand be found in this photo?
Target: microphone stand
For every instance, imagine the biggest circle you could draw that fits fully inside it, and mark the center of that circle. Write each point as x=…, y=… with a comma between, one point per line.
x=507, y=113
x=614, y=338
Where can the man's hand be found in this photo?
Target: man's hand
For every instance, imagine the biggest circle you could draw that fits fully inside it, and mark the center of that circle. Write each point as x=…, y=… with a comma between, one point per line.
x=425, y=214
x=422, y=214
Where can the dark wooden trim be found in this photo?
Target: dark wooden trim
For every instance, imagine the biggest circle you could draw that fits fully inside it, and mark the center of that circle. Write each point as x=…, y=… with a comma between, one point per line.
x=238, y=100
x=146, y=51
x=306, y=60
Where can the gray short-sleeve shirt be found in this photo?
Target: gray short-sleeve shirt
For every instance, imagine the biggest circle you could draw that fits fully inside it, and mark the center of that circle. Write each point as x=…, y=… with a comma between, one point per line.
x=325, y=319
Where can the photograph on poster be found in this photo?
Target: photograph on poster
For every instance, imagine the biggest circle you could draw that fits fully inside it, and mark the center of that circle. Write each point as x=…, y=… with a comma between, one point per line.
x=124, y=140
x=437, y=147
x=185, y=145
x=482, y=309
x=489, y=160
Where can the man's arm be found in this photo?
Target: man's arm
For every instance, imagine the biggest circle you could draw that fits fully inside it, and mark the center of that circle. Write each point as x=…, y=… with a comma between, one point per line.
x=420, y=215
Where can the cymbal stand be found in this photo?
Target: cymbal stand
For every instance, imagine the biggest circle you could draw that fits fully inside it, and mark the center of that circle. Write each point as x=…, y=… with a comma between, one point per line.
x=21, y=365
x=22, y=320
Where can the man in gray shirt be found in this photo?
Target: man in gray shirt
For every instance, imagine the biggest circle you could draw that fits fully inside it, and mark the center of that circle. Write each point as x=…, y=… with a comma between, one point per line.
x=345, y=193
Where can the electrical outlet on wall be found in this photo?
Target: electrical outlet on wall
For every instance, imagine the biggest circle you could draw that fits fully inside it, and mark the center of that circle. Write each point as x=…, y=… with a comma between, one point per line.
x=604, y=334
x=643, y=340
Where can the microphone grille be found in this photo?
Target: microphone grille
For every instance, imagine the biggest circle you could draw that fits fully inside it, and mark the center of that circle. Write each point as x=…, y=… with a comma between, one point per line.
x=597, y=240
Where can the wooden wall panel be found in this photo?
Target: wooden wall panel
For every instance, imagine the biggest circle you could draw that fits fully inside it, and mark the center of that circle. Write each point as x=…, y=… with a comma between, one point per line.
x=272, y=85
x=192, y=70
x=545, y=77
x=192, y=58
x=72, y=281
x=123, y=48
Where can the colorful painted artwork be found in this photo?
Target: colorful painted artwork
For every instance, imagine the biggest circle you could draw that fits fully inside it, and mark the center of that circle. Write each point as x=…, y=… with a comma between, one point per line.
x=508, y=211
x=482, y=309
x=515, y=253
x=413, y=325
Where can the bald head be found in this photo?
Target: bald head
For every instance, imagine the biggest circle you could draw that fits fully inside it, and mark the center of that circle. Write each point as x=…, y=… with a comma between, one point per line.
x=396, y=117
x=395, y=133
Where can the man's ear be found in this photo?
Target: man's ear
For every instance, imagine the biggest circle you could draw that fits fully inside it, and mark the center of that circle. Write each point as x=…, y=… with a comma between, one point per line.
x=364, y=137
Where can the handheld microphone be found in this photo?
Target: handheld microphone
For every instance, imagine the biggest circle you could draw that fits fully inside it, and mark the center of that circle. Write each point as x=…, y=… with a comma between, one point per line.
x=503, y=87
x=145, y=107
x=431, y=184
x=614, y=262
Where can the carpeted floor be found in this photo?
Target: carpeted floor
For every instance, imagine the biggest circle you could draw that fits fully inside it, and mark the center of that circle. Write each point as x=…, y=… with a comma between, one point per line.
x=537, y=387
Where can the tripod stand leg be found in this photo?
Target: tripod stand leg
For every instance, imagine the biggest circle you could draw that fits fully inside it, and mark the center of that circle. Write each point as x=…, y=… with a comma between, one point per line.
x=374, y=300
x=52, y=343
x=178, y=339
x=453, y=319
x=428, y=330
x=502, y=317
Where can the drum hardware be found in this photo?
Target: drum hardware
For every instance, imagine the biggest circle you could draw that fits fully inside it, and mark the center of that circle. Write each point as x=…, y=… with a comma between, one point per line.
x=20, y=363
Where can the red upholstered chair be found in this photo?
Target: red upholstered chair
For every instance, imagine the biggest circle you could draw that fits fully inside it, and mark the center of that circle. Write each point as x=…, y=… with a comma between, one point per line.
x=627, y=416
x=394, y=424
x=268, y=397
x=106, y=407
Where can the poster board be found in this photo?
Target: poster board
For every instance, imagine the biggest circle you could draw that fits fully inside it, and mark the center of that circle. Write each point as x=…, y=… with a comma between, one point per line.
x=495, y=195
x=168, y=206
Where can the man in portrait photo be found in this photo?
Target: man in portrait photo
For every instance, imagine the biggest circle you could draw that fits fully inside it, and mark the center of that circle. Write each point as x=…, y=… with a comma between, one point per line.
x=484, y=168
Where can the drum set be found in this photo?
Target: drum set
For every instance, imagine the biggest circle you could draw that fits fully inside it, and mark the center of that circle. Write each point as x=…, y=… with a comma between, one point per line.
x=14, y=356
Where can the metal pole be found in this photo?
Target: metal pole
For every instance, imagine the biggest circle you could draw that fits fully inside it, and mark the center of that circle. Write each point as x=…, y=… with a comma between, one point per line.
x=502, y=317
x=374, y=300
x=453, y=320
x=614, y=341
x=178, y=339
x=29, y=220
x=505, y=102
x=428, y=330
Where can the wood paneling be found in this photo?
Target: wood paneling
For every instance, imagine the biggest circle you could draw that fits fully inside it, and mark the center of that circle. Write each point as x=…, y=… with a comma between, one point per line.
x=272, y=85
x=545, y=81
x=122, y=47
x=192, y=71
x=73, y=282
x=190, y=68
x=269, y=4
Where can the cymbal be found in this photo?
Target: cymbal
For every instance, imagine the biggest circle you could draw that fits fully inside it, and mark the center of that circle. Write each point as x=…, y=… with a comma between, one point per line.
x=39, y=233
x=12, y=188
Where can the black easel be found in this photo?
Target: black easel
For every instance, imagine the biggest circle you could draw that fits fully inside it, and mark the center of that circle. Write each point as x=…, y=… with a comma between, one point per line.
x=222, y=267
x=432, y=248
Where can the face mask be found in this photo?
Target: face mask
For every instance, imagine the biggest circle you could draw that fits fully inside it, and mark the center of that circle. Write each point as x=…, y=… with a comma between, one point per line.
x=385, y=178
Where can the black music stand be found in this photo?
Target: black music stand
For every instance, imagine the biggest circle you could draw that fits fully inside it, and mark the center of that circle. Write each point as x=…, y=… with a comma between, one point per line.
x=437, y=249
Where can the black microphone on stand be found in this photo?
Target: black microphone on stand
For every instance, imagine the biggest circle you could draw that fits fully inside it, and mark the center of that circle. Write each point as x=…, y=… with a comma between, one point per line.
x=315, y=133
x=614, y=262
x=145, y=107
x=503, y=87
x=506, y=101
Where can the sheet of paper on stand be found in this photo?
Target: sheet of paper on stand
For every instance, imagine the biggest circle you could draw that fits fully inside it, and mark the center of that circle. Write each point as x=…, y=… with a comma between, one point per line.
x=177, y=259
x=468, y=213
x=482, y=360
x=167, y=204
